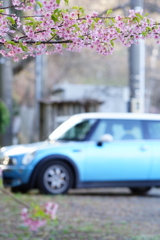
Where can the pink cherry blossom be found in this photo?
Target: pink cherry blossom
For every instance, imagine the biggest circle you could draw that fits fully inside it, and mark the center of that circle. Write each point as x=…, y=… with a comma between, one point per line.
x=34, y=225
x=0, y=172
x=33, y=221
x=50, y=25
x=51, y=209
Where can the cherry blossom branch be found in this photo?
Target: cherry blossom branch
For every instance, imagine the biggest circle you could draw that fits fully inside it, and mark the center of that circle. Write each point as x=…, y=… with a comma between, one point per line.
x=12, y=196
x=35, y=216
x=7, y=7
x=44, y=42
x=58, y=28
x=12, y=15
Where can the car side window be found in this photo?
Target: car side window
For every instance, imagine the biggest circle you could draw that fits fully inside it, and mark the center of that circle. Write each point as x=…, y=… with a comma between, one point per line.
x=78, y=132
x=153, y=129
x=126, y=129
x=99, y=131
x=119, y=129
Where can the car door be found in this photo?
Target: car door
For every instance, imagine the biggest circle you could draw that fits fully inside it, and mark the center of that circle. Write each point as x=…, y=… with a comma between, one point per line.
x=152, y=132
x=126, y=158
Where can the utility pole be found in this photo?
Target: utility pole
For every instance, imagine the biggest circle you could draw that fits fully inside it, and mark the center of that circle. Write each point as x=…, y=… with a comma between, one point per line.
x=40, y=88
x=137, y=69
x=6, y=77
x=38, y=93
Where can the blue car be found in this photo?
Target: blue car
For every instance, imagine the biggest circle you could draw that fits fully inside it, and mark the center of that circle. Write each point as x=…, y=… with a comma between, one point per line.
x=89, y=150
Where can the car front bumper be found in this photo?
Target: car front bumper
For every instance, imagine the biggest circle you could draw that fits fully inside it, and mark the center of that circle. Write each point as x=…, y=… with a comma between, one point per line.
x=15, y=176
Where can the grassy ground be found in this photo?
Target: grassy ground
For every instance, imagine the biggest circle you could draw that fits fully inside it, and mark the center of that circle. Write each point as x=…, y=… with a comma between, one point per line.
x=91, y=215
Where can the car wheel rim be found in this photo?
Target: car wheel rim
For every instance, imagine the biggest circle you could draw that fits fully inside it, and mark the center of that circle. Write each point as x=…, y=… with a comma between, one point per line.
x=56, y=179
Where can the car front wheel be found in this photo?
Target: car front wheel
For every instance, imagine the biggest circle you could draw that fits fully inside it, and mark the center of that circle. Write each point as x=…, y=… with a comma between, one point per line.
x=140, y=190
x=55, y=178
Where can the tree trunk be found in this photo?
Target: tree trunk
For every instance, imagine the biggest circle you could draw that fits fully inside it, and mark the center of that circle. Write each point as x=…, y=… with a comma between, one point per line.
x=6, y=78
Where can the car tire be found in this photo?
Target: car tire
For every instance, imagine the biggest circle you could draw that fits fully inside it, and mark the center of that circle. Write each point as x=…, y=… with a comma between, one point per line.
x=55, y=178
x=19, y=189
x=140, y=190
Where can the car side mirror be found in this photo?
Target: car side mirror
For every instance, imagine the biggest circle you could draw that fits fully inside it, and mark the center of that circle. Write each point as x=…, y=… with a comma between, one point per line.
x=105, y=138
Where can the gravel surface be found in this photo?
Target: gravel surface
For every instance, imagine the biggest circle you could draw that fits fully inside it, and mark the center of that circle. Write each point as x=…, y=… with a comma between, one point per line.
x=97, y=214
x=118, y=206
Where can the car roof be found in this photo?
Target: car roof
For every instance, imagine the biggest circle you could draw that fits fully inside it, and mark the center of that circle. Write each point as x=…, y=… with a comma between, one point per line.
x=97, y=115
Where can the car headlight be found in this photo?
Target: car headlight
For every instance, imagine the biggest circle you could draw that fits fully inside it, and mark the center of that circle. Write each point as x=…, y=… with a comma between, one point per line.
x=6, y=160
x=28, y=158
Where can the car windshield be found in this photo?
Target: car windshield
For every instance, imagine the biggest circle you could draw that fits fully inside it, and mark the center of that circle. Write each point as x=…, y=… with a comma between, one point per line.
x=74, y=129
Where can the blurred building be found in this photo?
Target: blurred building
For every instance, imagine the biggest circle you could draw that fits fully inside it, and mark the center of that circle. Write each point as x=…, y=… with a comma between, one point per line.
x=67, y=99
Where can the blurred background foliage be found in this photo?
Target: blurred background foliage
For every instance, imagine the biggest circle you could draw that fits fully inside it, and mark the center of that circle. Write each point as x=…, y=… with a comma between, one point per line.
x=4, y=117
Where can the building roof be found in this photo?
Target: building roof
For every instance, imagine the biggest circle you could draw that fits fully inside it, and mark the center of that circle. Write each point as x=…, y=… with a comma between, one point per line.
x=70, y=91
x=81, y=101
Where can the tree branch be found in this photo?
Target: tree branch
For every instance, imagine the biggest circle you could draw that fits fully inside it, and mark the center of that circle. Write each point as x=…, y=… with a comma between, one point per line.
x=12, y=196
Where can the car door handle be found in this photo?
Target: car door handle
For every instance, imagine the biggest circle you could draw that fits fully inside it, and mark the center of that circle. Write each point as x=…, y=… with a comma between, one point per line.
x=144, y=148
x=76, y=150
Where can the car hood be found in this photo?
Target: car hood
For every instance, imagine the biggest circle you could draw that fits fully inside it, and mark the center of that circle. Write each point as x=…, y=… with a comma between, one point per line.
x=25, y=148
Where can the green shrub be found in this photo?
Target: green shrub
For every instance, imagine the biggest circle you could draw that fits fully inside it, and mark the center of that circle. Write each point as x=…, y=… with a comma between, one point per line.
x=4, y=117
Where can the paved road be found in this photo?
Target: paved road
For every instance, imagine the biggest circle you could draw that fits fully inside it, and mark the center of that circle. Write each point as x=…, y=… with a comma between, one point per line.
x=139, y=214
